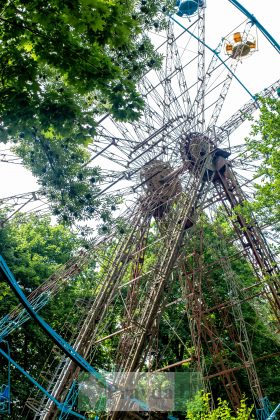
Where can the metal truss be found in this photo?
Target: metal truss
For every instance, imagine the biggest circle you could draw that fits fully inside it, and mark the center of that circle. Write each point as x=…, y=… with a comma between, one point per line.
x=10, y=158
x=164, y=204
x=249, y=233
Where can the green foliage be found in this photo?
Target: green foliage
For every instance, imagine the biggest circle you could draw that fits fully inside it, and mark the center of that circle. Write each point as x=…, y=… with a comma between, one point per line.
x=264, y=144
x=175, y=343
x=33, y=250
x=54, y=54
x=199, y=409
x=68, y=184
x=62, y=65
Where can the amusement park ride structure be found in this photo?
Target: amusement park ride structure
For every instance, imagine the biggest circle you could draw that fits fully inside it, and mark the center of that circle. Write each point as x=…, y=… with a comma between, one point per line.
x=176, y=163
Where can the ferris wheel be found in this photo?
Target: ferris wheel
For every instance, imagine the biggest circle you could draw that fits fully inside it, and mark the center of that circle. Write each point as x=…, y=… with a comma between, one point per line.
x=179, y=162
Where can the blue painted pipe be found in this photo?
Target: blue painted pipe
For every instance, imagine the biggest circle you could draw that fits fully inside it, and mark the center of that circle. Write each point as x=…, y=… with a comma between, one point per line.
x=273, y=414
x=254, y=20
x=57, y=403
x=216, y=53
x=57, y=339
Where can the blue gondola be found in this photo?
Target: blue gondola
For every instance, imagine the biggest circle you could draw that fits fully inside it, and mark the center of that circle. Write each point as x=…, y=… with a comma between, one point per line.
x=188, y=7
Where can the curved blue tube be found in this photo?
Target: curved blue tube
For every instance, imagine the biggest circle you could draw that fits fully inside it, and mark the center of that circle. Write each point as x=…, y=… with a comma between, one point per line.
x=254, y=20
x=61, y=406
x=216, y=53
x=56, y=338
x=273, y=414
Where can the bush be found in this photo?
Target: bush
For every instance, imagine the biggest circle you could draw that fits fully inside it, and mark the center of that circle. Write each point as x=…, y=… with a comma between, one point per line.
x=199, y=409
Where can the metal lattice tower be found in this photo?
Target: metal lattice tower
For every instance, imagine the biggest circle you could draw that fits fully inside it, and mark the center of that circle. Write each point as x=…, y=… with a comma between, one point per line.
x=171, y=166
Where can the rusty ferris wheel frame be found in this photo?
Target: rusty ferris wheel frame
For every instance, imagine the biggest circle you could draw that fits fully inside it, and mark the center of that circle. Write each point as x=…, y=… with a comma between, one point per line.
x=173, y=164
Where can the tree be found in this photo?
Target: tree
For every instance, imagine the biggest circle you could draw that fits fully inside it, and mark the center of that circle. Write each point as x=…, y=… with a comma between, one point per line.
x=199, y=409
x=263, y=144
x=64, y=61
x=175, y=344
x=68, y=184
x=33, y=250
x=62, y=64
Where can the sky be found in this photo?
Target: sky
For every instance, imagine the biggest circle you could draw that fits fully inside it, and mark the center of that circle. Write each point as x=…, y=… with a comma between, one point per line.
x=256, y=72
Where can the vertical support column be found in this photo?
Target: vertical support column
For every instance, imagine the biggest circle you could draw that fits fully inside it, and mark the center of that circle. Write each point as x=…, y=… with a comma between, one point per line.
x=89, y=327
x=132, y=297
x=205, y=335
x=248, y=232
x=240, y=326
